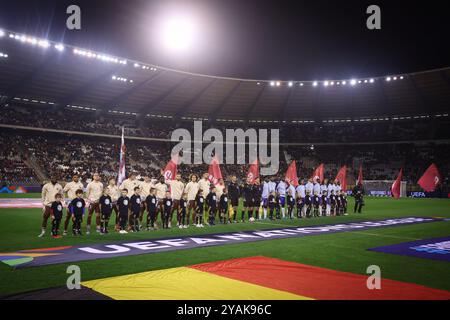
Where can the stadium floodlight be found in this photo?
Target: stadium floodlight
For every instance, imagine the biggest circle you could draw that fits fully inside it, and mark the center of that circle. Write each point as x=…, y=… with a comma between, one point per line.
x=301, y=84
x=272, y=83
x=401, y=77
x=365, y=81
x=315, y=84
x=344, y=83
x=2, y=33
x=388, y=79
x=353, y=82
x=325, y=83
x=290, y=84
x=371, y=80
x=178, y=33
x=395, y=78
x=43, y=43
x=278, y=83
x=332, y=83
x=59, y=47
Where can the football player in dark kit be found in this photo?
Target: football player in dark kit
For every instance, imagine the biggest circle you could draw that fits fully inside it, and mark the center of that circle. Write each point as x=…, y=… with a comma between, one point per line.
x=77, y=208
x=247, y=193
x=106, y=208
x=324, y=202
x=343, y=197
x=123, y=203
x=256, y=192
x=272, y=204
x=234, y=193
x=183, y=208
x=333, y=204
x=152, y=207
x=135, y=210
x=358, y=193
x=277, y=205
x=56, y=213
x=316, y=205
x=211, y=201
x=224, y=206
x=199, y=205
x=308, y=204
x=167, y=205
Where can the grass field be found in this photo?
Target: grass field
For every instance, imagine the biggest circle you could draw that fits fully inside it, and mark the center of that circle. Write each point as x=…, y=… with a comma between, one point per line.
x=345, y=251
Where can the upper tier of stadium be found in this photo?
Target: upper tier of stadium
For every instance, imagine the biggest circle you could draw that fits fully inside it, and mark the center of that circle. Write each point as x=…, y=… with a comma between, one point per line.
x=37, y=71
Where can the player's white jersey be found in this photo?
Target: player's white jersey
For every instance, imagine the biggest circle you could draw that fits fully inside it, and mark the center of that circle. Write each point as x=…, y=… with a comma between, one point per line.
x=265, y=190
x=316, y=188
x=281, y=188
x=323, y=188
x=272, y=186
x=301, y=191
x=291, y=190
x=309, y=187
x=331, y=187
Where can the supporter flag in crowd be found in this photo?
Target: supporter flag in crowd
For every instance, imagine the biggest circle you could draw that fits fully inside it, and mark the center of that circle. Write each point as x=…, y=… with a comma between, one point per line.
x=342, y=178
x=291, y=173
x=253, y=172
x=214, y=171
x=318, y=173
x=121, y=175
x=395, y=189
x=360, y=176
x=430, y=179
x=170, y=171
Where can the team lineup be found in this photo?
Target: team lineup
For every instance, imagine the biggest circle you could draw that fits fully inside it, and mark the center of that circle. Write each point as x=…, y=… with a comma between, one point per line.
x=199, y=201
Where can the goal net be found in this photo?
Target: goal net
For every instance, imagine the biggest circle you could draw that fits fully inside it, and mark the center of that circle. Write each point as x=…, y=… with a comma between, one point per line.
x=382, y=188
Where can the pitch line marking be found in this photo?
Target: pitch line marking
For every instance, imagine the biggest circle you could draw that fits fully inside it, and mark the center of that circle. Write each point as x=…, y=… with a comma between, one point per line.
x=384, y=235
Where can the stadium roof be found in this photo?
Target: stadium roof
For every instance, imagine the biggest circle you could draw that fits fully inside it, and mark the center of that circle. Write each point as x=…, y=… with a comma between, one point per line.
x=43, y=72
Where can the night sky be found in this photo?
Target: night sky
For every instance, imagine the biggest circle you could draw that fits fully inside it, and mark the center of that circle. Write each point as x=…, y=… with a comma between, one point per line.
x=285, y=40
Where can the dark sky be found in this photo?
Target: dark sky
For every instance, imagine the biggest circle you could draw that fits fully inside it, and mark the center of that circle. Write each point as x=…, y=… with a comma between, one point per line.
x=286, y=40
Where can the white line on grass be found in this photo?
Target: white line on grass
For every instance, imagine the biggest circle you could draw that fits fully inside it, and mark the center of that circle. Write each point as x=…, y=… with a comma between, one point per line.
x=384, y=235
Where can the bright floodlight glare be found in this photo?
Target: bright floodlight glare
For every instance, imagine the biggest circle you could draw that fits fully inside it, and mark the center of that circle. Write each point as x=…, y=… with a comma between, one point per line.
x=315, y=83
x=388, y=79
x=371, y=80
x=2, y=33
x=59, y=47
x=178, y=33
x=290, y=84
x=325, y=83
x=353, y=82
x=272, y=83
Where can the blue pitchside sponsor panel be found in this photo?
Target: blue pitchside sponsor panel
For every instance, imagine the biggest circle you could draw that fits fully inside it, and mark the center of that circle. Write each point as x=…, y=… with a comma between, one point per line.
x=435, y=248
x=128, y=248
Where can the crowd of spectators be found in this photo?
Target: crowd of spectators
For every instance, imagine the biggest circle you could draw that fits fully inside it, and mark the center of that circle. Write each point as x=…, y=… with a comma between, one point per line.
x=63, y=155
x=139, y=126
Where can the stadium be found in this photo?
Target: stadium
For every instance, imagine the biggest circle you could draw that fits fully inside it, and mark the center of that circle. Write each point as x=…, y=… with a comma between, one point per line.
x=360, y=180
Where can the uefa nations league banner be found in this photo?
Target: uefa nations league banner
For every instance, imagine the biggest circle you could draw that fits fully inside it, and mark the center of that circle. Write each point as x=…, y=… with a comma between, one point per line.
x=48, y=256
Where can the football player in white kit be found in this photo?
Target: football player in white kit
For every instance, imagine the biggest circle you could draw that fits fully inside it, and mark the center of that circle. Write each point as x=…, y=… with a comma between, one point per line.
x=281, y=189
x=301, y=194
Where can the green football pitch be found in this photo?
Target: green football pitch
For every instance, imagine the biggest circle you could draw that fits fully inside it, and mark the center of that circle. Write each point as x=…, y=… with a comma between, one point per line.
x=344, y=251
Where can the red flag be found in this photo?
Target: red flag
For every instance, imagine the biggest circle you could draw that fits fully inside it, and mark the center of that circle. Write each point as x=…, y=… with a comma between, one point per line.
x=253, y=172
x=342, y=178
x=291, y=174
x=121, y=175
x=430, y=179
x=214, y=171
x=360, y=176
x=318, y=173
x=170, y=170
x=395, y=189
